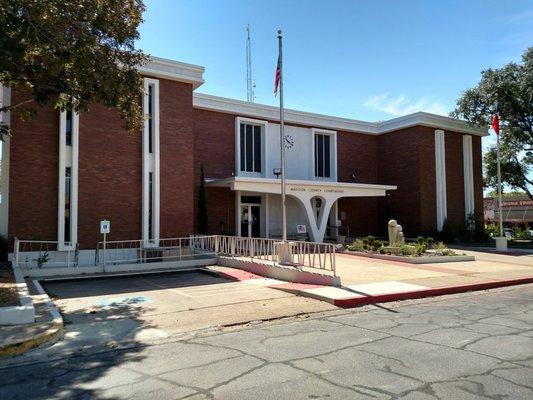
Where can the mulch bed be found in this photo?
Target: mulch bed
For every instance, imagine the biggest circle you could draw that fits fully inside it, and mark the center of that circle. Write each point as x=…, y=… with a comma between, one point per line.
x=8, y=287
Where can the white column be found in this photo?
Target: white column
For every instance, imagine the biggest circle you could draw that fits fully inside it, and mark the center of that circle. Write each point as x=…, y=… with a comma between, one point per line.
x=440, y=178
x=238, y=213
x=468, y=174
x=151, y=164
x=5, y=98
x=68, y=158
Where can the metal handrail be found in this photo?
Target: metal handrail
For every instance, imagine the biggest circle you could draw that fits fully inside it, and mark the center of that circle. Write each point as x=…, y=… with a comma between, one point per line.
x=313, y=255
x=47, y=253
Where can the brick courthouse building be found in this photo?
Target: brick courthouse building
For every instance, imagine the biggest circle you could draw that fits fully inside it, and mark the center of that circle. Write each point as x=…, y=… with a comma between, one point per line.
x=62, y=173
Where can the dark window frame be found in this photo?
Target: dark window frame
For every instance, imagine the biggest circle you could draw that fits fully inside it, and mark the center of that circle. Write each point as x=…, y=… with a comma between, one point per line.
x=251, y=147
x=322, y=155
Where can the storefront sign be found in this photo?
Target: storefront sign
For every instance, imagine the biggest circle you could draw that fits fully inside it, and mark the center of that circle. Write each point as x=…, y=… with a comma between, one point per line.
x=315, y=190
x=301, y=229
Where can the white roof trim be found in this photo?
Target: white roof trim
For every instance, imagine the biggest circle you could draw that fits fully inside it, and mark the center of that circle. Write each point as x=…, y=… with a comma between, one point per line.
x=174, y=70
x=235, y=181
x=261, y=111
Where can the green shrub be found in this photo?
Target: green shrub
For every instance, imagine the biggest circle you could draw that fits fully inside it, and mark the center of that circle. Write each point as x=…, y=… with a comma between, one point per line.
x=413, y=250
x=430, y=242
x=356, y=246
x=377, y=245
x=368, y=241
x=421, y=248
x=448, y=252
x=442, y=250
x=385, y=243
x=491, y=229
x=409, y=250
x=421, y=240
x=522, y=234
x=440, y=246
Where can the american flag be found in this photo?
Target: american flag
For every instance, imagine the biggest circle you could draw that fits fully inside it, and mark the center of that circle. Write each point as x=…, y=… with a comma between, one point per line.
x=277, y=77
x=496, y=120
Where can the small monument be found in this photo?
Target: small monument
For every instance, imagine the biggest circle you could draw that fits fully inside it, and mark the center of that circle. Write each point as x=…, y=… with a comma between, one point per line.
x=396, y=238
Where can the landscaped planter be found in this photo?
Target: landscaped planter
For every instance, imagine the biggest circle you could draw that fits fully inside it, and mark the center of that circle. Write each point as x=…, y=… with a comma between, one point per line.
x=24, y=311
x=412, y=260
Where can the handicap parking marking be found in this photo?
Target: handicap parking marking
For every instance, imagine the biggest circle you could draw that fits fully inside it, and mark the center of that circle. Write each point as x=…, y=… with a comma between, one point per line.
x=122, y=301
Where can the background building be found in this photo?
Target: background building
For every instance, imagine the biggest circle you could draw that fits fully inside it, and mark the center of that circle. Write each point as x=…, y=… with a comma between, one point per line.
x=64, y=172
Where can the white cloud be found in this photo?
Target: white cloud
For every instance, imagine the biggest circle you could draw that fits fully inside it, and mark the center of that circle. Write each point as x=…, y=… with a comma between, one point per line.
x=401, y=105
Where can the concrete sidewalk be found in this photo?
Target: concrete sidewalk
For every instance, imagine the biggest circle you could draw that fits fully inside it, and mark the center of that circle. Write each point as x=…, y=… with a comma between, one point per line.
x=47, y=328
x=366, y=280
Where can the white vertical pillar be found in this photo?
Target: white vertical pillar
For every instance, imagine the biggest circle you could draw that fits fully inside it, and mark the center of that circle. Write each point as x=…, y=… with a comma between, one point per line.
x=267, y=215
x=5, y=99
x=468, y=174
x=68, y=158
x=151, y=164
x=238, y=213
x=440, y=178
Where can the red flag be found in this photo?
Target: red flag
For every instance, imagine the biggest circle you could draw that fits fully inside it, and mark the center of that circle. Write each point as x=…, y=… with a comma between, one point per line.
x=496, y=121
x=277, y=77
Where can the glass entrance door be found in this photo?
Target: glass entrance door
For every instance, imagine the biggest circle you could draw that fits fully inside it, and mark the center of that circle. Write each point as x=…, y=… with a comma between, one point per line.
x=250, y=220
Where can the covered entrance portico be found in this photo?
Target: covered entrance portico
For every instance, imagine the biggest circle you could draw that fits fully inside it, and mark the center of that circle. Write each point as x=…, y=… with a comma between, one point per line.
x=309, y=203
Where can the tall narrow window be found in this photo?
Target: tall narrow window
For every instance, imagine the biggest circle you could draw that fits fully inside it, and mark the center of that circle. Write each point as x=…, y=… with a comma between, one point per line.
x=250, y=148
x=322, y=156
x=67, y=211
x=151, y=163
x=68, y=128
x=150, y=118
x=150, y=205
x=68, y=191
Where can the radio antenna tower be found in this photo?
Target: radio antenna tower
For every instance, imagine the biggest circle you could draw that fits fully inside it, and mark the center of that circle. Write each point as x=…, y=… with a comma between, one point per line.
x=250, y=84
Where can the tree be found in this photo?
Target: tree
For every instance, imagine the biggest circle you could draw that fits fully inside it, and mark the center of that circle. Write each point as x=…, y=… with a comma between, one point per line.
x=202, y=204
x=512, y=87
x=68, y=54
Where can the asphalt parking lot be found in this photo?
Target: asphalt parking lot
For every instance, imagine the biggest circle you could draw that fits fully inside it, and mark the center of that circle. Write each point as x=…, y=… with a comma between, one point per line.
x=148, y=308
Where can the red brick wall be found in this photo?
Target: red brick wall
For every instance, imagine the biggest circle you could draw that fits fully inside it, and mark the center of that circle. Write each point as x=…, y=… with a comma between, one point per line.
x=399, y=159
x=455, y=187
x=407, y=159
x=33, y=180
x=428, y=190
x=359, y=153
x=109, y=178
x=214, y=143
x=110, y=161
x=177, y=159
x=110, y=172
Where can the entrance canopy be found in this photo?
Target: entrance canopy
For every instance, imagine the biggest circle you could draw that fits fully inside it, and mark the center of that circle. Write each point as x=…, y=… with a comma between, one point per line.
x=304, y=191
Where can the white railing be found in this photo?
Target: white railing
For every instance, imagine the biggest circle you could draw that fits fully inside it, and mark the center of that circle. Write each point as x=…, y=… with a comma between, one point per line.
x=140, y=251
x=316, y=256
x=319, y=257
x=44, y=254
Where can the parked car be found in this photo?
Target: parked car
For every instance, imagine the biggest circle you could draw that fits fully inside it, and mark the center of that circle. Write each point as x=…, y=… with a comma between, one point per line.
x=508, y=232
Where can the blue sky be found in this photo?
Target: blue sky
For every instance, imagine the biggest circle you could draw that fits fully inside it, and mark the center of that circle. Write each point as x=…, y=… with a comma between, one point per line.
x=369, y=60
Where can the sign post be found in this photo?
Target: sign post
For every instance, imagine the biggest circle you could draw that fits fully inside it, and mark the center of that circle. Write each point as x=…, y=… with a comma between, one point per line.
x=105, y=228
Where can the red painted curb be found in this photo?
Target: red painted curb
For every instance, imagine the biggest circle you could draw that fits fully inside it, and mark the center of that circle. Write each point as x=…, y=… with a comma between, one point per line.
x=384, y=298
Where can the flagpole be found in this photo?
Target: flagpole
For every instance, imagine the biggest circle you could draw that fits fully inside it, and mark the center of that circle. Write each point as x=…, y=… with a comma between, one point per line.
x=282, y=143
x=499, y=183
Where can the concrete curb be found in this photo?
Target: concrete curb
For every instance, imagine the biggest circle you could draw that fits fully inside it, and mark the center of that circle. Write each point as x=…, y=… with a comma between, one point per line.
x=51, y=335
x=25, y=312
x=411, y=260
x=432, y=292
